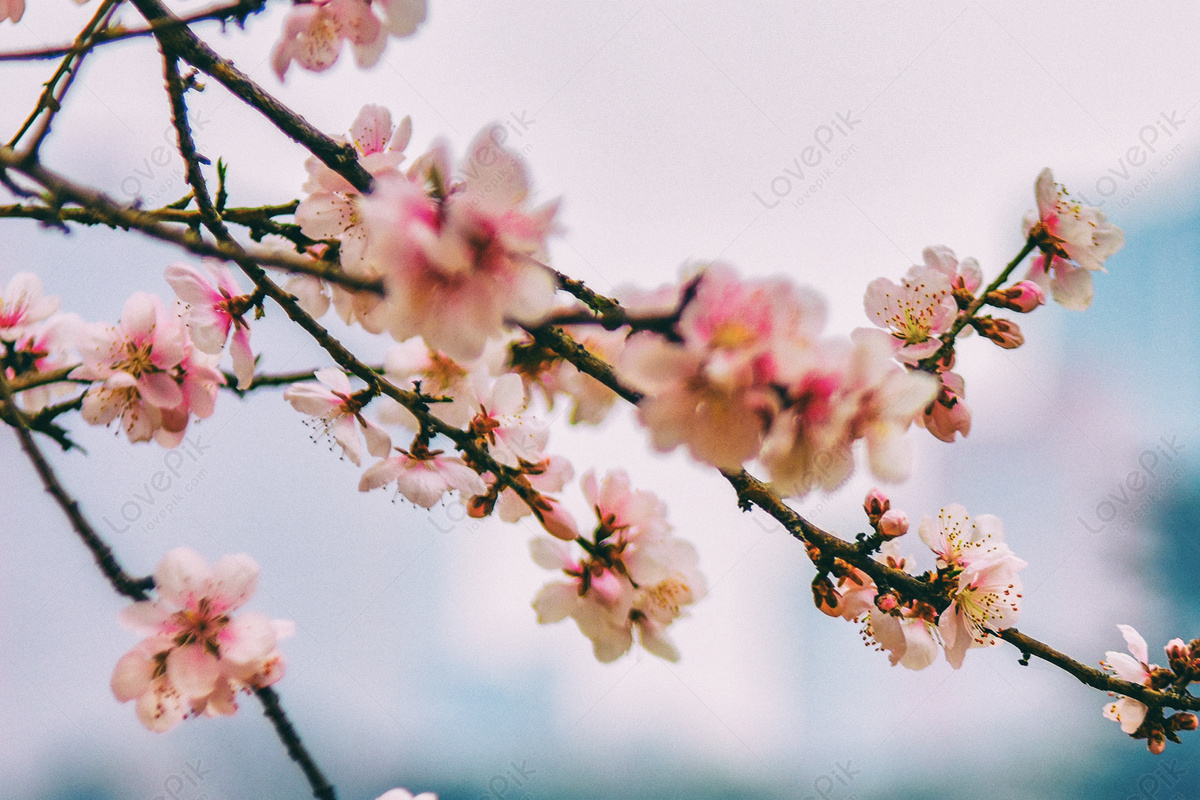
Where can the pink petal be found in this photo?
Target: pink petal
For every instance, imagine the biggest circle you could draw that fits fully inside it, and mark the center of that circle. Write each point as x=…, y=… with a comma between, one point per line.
x=193, y=670
x=382, y=473
x=243, y=357
x=247, y=638
x=160, y=389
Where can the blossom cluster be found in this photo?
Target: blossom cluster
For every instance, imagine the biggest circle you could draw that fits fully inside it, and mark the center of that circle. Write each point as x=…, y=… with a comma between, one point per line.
x=196, y=656
x=1135, y=717
x=633, y=574
x=975, y=570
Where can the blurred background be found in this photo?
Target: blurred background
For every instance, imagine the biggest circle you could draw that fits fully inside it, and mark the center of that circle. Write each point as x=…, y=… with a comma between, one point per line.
x=671, y=131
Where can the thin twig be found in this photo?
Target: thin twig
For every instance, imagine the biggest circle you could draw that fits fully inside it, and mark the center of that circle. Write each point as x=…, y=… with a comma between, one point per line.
x=122, y=582
x=116, y=215
x=238, y=11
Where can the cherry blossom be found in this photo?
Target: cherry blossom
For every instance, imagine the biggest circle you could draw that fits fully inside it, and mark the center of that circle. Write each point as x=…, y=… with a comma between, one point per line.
x=338, y=412
x=135, y=360
x=916, y=312
x=331, y=209
x=948, y=415
x=548, y=476
x=313, y=33
x=197, y=656
x=460, y=260
x=987, y=592
x=22, y=304
x=846, y=393
x=1078, y=238
x=964, y=277
x=553, y=377
x=215, y=304
x=408, y=363
x=45, y=347
x=423, y=476
x=634, y=576
x=511, y=435
x=713, y=390
x=1135, y=669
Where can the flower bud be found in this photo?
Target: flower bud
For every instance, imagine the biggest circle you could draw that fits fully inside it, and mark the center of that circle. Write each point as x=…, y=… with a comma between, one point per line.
x=559, y=523
x=886, y=602
x=892, y=524
x=826, y=598
x=1023, y=297
x=876, y=505
x=481, y=505
x=1003, y=332
x=1156, y=742
x=1183, y=721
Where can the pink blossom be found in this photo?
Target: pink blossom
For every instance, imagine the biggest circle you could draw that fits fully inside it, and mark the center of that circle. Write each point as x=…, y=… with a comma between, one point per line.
x=713, y=391
x=423, y=476
x=907, y=636
x=591, y=401
x=916, y=312
x=197, y=656
x=1070, y=285
x=511, y=435
x=215, y=304
x=338, y=412
x=313, y=34
x=842, y=395
x=549, y=477
x=948, y=414
x=966, y=276
x=634, y=577
x=461, y=260
x=1079, y=237
x=22, y=304
x=1127, y=711
x=45, y=347
x=409, y=363
x=136, y=360
x=199, y=381
x=988, y=594
x=331, y=209
x=1079, y=233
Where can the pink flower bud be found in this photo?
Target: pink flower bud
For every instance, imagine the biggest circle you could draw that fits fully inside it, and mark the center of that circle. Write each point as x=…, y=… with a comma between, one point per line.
x=559, y=523
x=876, y=504
x=1023, y=297
x=1176, y=649
x=892, y=524
x=1184, y=721
x=1003, y=332
x=886, y=602
x=1156, y=742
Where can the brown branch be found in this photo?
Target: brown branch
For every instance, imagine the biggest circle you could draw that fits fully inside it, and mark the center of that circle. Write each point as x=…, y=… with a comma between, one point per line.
x=321, y=787
x=52, y=96
x=122, y=582
x=751, y=491
x=338, y=156
x=116, y=215
x=1097, y=679
x=238, y=11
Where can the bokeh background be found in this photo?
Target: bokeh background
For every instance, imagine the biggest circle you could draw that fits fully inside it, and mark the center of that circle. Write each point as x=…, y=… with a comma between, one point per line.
x=671, y=131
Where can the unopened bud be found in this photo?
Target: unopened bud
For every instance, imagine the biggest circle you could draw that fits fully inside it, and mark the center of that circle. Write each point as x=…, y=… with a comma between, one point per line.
x=1003, y=332
x=1156, y=742
x=1023, y=297
x=481, y=505
x=1183, y=721
x=886, y=602
x=826, y=598
x=892, y=524
x=559, y=523
x=876, y=505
